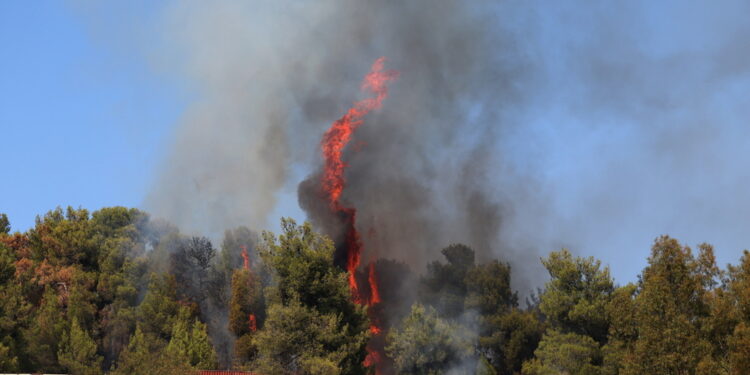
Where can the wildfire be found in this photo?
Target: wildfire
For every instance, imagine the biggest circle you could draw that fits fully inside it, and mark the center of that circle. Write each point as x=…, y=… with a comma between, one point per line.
x=245, y=258
x=252, y=323
x=251, y=320
x=333, y=183
x=334, y=142
x=340, y=132
x=372, y=278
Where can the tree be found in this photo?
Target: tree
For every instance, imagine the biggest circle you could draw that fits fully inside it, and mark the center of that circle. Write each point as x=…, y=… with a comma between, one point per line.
x=64, y=239
x=426, y=344
x=190, y=264
x=190, y=342
x=577, y=295
x=230, y=259
x=564, y=353
x=201, y=351
x=246, y=313
x=670, y=311
x=623, y=330
x=77, y=352
x=311, y=314
x=246, y=300
x=738, y=296
x=158, y=311
x=507, y=335
x=8, y=361
x=444, y=285
x=297, y=338
x=488, y=289
x=4, y=224
x=146, y=354
x=509, y=339
x=45, y=334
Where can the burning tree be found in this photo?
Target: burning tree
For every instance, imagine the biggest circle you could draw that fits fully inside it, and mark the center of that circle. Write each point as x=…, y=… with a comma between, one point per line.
x=333, y=182
x=313, y=322
x=245, y=308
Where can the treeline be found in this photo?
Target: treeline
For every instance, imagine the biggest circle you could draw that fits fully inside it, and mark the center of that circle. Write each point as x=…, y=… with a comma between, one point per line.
x=116, y=292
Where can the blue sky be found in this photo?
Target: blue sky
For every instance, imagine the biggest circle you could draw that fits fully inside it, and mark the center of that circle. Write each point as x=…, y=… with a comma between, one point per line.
x=81, y=125
x=639, y=128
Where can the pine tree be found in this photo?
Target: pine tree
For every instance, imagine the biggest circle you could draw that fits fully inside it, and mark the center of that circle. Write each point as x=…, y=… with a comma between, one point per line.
x=246, y=300
x=78, y=352
x=190, y=342
x=202, y=353
x=739, y=297
x=311, y=314
x=146, y=354
x=426, y=344
x=577, y=295
x=158, y=311
x=45, y=334
x=670, y=308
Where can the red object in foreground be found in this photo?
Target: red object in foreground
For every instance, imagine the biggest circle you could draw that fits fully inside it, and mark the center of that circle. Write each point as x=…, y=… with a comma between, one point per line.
x=334, y=142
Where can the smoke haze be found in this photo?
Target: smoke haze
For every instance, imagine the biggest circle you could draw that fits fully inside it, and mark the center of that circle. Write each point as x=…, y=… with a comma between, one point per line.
x=515, y=127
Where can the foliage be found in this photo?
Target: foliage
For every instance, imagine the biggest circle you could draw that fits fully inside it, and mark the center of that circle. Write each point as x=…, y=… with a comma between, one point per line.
x=4, y=224
x=146, y=354
x=158, y=311
x=78, y=352
x=444, y=285
x=577, y=295
x=510, y=339
x=670, y=311
x=427, y=344
x=246, y=299
x=564, y=353
x=114, y=291
x=488, y=289
x=190, y=342
x=312, y=319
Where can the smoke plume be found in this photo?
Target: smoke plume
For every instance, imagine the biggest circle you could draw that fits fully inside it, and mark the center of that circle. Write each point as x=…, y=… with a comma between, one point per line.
x=424, y=172
x=515, y=127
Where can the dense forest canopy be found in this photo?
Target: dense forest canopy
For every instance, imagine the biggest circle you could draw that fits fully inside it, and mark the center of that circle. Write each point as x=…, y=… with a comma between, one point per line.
x=114, y=291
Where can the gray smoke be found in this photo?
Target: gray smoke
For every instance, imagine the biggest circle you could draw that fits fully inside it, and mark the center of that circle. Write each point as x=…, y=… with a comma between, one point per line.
x=644, y=130
x=516, y=127
x=425, y=171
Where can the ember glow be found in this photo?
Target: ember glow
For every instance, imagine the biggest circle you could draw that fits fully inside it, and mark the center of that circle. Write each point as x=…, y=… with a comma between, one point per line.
x=251, y=320
x=333, y=183
x=245, y=258
x=252, y=323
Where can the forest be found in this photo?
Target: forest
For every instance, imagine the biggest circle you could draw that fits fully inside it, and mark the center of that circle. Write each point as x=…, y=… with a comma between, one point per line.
x=115, y=291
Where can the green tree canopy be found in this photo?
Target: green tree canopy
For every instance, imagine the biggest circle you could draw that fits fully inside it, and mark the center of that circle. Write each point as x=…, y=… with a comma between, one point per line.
x=670, y=311
x=77, y=352
x=426, y=344
x=565, y=353
x=311, y=296
x=444, y=285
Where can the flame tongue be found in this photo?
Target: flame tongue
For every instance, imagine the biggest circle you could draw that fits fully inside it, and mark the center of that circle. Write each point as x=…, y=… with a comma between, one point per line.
x=334, y=142
x=245, y=258
x=340, y=132
x=372, y=278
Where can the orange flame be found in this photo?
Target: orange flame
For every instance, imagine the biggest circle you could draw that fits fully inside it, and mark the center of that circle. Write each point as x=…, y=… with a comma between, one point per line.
x=334, y=142
x=245, y=258
x=340, y=132
x=252, y=323
x=372, y=278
